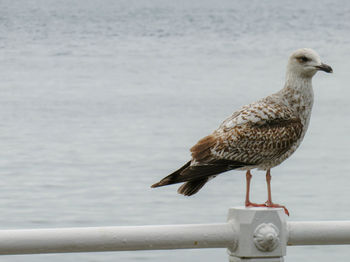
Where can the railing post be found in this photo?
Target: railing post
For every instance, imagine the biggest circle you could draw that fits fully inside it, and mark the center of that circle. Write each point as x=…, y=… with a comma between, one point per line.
x=262, y=234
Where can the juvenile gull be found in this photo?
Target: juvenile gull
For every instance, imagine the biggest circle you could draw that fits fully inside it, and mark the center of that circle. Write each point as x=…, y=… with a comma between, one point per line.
x=259, y=135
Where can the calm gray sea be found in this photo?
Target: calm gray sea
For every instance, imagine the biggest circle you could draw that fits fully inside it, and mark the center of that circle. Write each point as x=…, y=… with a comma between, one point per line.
x=100, y=99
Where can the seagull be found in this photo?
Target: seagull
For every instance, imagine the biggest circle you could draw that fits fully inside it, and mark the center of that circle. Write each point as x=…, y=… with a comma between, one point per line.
x=259, y=135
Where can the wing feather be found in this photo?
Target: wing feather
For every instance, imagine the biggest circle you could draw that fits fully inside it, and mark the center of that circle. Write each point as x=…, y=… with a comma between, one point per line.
x=256, y=134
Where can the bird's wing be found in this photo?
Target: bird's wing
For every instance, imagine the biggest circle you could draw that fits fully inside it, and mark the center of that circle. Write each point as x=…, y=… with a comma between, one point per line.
x=258, y=133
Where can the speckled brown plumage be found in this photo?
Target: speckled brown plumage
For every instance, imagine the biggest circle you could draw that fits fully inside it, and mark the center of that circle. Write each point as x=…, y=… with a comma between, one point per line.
x=255, y=139
x=259, y=135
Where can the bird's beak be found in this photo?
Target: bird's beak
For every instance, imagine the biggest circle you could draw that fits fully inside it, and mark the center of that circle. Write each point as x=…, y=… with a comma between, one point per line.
x=324, y=67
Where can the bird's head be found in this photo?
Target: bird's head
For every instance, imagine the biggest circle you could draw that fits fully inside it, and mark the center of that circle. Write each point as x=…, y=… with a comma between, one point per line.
x=305, y=62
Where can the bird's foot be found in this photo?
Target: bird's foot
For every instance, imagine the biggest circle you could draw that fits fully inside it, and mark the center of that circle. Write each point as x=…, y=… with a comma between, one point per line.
x=267, y=204
x=250, y=204
x=273, y=205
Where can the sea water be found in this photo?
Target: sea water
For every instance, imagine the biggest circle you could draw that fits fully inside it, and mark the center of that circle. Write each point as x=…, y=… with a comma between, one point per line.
x=101, y=99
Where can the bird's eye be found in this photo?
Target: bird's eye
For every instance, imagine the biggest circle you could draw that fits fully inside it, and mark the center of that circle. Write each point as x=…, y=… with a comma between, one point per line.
x=303, y=59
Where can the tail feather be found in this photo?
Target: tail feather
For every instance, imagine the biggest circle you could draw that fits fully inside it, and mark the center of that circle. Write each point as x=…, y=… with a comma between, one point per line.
x=170, y=179
x=192, y=187
x=196, y=176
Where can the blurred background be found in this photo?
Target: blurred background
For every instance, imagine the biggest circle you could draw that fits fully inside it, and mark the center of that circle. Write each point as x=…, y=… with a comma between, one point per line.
x=101, y=99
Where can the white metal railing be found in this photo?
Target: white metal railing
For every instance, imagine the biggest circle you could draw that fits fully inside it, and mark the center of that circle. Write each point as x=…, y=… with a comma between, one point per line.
x=94, y=239
x=253, y=234
x=319, y=233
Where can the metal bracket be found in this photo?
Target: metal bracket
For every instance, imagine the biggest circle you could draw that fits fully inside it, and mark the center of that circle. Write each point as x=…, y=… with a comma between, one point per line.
x=262, y=234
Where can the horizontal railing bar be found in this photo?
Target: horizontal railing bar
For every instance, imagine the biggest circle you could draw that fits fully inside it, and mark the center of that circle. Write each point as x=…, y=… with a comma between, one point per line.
x=95, y=239
x=319, y=233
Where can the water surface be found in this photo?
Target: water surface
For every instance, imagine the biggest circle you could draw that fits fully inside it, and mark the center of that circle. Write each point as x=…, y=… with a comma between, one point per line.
x=100, y=99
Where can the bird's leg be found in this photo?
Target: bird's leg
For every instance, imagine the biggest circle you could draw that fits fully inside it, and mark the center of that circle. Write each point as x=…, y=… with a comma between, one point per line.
x=247, y=201
x=269, y=202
